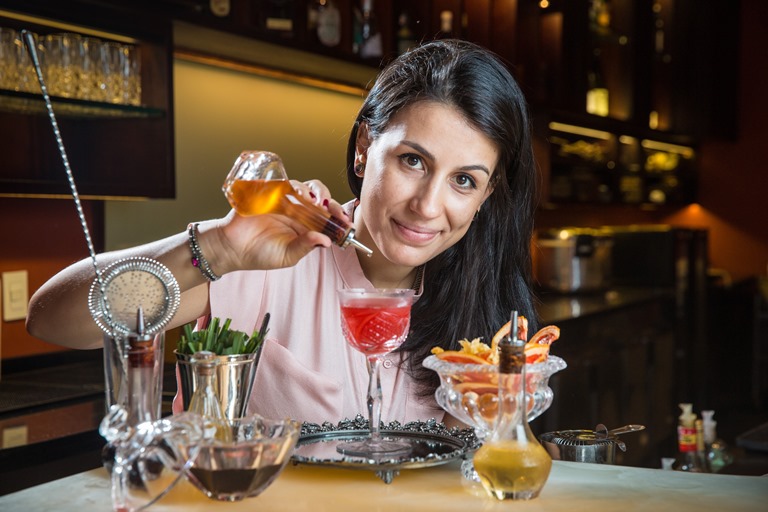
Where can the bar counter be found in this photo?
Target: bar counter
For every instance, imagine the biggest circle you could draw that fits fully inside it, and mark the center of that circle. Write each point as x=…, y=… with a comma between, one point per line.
x=572, y=487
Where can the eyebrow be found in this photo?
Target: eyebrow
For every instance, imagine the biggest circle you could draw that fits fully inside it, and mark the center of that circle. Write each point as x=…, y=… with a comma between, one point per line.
x=421, y=149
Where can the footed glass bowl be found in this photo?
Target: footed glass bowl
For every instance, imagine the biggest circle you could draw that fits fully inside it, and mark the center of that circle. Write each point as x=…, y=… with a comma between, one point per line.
x=243, y=468
x=469, y=393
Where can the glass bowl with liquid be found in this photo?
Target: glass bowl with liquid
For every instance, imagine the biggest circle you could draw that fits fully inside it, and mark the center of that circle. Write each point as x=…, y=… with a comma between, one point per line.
x=246, y=466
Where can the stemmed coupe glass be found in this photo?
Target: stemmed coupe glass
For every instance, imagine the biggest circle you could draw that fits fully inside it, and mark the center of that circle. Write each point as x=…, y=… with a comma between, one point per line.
x=375, y=322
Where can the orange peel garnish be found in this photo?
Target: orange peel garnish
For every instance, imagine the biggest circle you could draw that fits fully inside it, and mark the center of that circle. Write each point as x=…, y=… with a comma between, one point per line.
x=477, y=352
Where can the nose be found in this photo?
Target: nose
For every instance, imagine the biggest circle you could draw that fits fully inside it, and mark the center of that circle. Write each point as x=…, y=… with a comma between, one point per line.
x=428, y=199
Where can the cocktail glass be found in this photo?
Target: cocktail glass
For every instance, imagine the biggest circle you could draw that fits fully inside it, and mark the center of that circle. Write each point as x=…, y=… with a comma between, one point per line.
x=469, y=393
x=375, y=322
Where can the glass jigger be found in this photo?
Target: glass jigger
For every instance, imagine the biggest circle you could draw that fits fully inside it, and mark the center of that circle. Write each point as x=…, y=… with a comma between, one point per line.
x=375, y=322
x=258, y=184
x=469, y=393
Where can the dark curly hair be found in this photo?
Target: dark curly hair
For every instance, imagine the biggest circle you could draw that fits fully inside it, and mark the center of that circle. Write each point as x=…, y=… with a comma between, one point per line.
x=471, y=288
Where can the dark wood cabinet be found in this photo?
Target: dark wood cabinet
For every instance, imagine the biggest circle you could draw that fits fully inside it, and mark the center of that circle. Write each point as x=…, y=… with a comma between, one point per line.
x=647, y=80
x=114, y=150
x=623, y=95
x=621, y=370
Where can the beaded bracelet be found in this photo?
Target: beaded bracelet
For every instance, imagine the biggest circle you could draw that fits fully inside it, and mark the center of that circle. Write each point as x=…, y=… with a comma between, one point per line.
x=198, y=260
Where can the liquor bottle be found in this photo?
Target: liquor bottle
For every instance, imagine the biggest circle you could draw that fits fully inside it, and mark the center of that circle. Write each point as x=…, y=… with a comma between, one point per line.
x=219, y=8
x=718, y=453
x=277, y=17
x=367, y=38
x=597, y=92
x=313, y=15
x=686, y=442
x=600, y=16
x=701, y=453
x=205, y=401
x=329, y=25
x=512, y=464
x=405, y=38
x=142, y=395
x=446, y=25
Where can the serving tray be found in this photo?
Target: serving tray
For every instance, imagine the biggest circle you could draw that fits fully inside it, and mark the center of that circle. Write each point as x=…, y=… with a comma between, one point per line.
x=433, y=444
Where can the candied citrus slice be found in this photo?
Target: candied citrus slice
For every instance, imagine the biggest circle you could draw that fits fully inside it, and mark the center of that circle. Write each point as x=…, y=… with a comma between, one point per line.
x=546, y=335
x=478, y=387
x=536, y=353
x=454, y=356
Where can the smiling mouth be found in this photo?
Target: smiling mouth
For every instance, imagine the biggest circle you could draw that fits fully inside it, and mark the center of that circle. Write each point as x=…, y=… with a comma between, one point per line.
x=415, y=234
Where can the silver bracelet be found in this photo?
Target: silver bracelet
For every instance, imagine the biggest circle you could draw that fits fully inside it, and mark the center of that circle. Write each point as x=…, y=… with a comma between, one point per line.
x=198, y=260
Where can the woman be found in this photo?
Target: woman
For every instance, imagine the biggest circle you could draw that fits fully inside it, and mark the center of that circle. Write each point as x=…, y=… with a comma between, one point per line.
x=441, y=163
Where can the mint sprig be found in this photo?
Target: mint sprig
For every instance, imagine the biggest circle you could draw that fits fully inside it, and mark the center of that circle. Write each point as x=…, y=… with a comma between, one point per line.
x=221, y=340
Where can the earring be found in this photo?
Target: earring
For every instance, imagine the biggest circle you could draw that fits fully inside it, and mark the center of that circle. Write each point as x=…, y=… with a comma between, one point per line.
x=360, y=166
x=477, y=213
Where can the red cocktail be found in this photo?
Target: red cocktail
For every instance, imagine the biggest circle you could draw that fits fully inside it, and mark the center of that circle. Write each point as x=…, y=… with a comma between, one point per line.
x=375, y=322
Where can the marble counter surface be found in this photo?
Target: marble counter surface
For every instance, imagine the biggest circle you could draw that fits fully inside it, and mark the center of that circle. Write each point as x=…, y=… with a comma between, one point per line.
x=572, y=487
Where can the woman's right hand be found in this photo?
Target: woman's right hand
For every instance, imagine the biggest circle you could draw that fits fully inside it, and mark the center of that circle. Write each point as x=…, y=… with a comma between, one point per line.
x=269, y=241
x=261, y=242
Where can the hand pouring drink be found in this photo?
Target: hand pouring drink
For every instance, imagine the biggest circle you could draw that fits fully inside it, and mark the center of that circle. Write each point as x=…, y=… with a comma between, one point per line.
x=258, y=184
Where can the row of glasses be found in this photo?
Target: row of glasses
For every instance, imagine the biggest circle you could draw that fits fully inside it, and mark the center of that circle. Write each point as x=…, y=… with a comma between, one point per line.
x=73, y=65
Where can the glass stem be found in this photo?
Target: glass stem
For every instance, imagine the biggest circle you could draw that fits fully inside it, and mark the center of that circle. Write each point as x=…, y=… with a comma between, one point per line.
x=374, y=397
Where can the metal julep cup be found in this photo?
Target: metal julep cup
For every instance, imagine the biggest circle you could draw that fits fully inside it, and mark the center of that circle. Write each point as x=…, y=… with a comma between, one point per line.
x=234, y=378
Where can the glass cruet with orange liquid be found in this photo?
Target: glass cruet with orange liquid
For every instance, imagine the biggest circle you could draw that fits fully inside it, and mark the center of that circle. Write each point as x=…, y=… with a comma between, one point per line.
x=512, y=464
x=258, y=184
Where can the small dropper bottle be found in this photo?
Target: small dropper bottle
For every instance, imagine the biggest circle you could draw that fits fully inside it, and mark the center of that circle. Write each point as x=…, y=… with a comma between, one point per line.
x=205, y=401
x=718, y=452
x=686, y=441
x=512, y=464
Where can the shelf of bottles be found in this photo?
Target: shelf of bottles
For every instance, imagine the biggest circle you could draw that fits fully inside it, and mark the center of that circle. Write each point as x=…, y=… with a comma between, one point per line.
x=609, y=75
x=592, y=166
x=370, y=32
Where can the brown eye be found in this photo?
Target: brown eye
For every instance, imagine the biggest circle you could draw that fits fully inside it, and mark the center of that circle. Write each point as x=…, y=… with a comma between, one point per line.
x=465, y=181
x=412, y=160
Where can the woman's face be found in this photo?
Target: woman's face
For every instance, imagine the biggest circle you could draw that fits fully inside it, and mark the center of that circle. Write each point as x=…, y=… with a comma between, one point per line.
x=425, y=177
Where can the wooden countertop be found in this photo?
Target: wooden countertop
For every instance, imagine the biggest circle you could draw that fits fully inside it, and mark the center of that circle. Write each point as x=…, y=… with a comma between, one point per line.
x=571, y=487
x=556, y=308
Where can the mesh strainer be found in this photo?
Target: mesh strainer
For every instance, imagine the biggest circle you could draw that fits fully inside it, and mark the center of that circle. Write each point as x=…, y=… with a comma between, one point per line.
x=598, y=446
x=131, y=283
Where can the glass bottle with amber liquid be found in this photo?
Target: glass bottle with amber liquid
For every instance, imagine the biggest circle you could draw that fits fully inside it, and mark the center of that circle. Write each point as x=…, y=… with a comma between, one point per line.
x=512, y=464
x=258, y=184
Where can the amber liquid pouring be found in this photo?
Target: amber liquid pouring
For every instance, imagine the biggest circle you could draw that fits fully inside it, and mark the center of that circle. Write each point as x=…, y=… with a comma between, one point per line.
x=257, y=197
